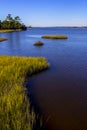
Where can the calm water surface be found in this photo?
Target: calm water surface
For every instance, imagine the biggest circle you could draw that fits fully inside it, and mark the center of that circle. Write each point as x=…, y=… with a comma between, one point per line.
x=61, y=91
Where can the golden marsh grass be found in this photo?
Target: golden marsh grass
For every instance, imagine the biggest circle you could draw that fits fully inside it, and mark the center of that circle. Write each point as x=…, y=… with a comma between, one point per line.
x=38, y=43
x=55, y=37
x=10, y=30
x=15, y=113
x=3, y=39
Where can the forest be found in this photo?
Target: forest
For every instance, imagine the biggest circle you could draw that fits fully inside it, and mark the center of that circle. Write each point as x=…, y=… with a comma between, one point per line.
x=12, y=23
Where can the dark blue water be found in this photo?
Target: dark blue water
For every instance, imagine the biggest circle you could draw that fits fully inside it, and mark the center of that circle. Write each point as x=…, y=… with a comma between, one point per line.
x=61, y=91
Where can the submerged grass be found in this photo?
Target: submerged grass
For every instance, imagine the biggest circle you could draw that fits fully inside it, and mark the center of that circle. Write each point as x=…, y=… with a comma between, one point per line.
x=15, y=113
x=55, y=37
x=2, y=39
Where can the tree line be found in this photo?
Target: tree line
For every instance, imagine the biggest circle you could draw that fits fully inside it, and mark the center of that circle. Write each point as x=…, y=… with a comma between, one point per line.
x=12, y=23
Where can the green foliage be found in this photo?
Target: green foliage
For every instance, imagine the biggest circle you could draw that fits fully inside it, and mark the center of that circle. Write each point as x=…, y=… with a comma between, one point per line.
x=15, y=113
x=55, y=37
x=9, y=17
x=0, y=24
x=12, y=23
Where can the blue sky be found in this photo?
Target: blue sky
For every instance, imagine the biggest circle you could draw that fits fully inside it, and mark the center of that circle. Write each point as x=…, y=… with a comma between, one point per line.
x=46, y=12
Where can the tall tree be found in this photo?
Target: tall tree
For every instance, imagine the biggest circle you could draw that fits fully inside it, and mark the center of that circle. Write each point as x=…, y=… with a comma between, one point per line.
x=17, y=22
x=17, y=18
x=9, y=17
x=0, y=24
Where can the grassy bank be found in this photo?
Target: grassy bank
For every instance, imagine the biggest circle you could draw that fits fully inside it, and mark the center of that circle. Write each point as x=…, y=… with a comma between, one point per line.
x=9, y=30
x=55, y=37
x=2, y=39
x=15, y=111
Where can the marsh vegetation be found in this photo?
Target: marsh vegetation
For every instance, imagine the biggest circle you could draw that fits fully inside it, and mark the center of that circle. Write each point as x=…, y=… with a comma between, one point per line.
x=9, y=30
x=15, y=113
x=55, y=37
x=39, y=43
x=3, y=39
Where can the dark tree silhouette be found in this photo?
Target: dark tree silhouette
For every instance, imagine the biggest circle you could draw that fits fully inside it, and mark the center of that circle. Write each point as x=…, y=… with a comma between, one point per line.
x=0, y=24
x=12, y=23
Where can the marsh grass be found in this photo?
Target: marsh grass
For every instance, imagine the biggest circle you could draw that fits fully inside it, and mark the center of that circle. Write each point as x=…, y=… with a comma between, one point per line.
x=38, y=43
x=10, y=30
x=3, y=39
x=6, y=30
x=55, y=37
x=15, y=113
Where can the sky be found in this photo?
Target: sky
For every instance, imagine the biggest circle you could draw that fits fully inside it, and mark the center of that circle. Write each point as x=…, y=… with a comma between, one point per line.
x=43, y=13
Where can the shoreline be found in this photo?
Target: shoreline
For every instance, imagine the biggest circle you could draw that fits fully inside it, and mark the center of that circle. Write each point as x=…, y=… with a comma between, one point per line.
x=59, y=27
x=10, y=30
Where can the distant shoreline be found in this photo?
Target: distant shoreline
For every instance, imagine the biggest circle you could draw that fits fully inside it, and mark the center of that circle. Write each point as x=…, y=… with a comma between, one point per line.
x=61, y=27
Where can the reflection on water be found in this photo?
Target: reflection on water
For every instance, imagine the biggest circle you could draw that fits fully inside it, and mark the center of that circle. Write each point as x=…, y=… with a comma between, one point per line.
x=61, y=91
x=34, y=36
x=62, y=97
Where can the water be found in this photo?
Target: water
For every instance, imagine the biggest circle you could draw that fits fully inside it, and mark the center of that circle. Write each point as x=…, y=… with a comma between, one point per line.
x=61, y=91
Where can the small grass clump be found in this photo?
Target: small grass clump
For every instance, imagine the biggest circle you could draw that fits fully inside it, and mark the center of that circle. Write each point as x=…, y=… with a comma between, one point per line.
x=2, y=39
x=15, y=113
x=38, y=43
x=55, y=37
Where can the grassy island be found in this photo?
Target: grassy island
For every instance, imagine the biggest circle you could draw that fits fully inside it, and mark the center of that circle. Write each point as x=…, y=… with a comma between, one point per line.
x=15, y=113
x=3, y=39
x=38, y=43
x=55, y=37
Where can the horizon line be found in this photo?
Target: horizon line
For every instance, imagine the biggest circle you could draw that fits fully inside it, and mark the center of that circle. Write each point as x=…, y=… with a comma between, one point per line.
x=56, y=26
